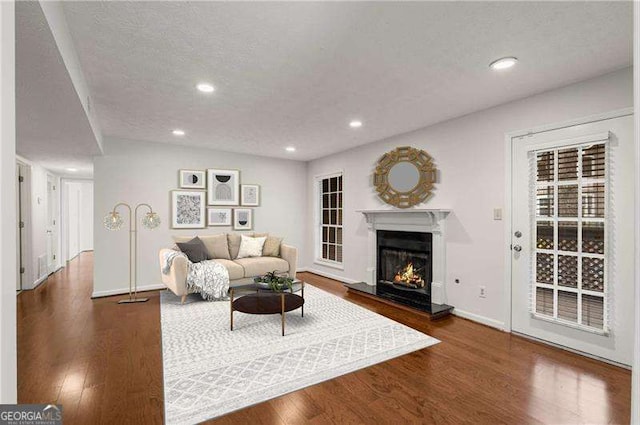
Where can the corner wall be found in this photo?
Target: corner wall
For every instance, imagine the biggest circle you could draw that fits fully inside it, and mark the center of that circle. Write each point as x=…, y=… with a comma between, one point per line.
x=469, y=153
x=137, y=172
x=8, y=266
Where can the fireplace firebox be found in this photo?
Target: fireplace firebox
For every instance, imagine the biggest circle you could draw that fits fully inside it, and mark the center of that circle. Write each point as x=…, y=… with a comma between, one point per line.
x=405, y=267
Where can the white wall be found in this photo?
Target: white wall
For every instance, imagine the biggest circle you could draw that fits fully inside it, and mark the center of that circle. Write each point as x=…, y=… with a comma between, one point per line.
x=86, y=216
x=77, y=213
x=8, y=353
x=137, y=172
x=635, y=395
x=470, y=155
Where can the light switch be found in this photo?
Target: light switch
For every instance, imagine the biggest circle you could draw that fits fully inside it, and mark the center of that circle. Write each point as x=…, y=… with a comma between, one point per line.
x=497, y=213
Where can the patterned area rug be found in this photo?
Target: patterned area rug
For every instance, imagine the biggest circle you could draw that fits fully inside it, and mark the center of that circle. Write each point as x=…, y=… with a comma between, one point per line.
x=210, y=371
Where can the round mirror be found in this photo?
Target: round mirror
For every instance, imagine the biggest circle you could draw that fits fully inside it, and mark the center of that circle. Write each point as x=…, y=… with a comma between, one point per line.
x=404, y=176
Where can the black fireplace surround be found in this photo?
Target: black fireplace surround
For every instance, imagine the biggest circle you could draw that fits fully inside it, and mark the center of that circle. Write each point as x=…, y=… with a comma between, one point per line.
x=405, y=267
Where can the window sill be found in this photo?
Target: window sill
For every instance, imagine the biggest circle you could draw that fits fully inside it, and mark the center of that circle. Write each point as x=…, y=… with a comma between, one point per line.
x=333, y=265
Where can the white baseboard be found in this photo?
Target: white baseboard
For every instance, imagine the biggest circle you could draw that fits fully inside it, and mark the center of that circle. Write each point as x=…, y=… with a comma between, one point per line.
x=480, y=319
x=123, y=291
x=329, y=275
x=37, y=283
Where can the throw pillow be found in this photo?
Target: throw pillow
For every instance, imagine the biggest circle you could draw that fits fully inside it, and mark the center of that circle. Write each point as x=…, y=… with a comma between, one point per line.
x=251, y=247
x=234, y=244
x=271, y=247
x=217, y=246
x=194, y=250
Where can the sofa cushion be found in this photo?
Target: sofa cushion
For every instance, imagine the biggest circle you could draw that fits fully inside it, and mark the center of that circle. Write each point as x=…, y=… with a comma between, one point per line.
x=234, y=244
x=194, y=250
x=251, y=247
x=258, y=266
x=236, y=271
x=217, y=246
x=271, y=247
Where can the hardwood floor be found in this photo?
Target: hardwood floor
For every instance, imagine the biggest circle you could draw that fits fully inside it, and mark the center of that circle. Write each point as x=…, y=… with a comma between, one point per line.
x=103, y=362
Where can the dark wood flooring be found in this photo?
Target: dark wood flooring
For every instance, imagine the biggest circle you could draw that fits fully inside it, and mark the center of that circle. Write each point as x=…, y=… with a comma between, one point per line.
x=102, y=361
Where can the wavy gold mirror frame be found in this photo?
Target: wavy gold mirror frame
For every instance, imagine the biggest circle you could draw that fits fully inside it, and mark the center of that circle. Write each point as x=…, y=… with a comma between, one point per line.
x=424, y=186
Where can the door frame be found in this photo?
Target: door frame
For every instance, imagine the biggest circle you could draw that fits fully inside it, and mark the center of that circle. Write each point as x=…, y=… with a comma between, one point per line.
x=508, y=206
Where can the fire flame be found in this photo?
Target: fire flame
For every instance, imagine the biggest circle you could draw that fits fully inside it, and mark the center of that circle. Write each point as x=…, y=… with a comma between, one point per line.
x=409, y=277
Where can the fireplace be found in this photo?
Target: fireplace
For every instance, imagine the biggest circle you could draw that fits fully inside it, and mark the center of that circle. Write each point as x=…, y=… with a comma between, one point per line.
x=405, y=267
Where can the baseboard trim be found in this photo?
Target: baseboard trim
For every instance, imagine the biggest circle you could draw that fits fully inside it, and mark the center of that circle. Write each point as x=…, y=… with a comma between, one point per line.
x=328, y=275
x=571, y=350
x=124, y=291
x=480, y=319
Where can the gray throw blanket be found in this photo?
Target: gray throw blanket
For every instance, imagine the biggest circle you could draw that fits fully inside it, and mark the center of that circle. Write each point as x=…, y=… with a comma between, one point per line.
x=208, y=278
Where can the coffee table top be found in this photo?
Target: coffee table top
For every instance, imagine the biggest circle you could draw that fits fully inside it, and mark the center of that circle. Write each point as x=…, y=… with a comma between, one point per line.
x=267, y=302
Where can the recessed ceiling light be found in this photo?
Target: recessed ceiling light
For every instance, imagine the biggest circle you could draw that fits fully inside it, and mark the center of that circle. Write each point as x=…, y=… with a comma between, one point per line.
x=72, y=170
x=205, y=88
x=290, y=149
x=355, y=124
x=503, y=63
x=178, y=132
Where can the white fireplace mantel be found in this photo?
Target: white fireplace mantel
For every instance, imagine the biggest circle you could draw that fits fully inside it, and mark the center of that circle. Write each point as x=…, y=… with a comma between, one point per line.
x=433, y=219
x=411, y=220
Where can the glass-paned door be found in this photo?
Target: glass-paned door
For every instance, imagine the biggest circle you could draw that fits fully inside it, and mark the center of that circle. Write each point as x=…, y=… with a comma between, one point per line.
x=570, y=204
x=571, y=245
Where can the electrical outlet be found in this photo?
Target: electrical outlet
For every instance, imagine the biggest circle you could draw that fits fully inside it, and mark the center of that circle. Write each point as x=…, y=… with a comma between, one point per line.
x=483, y=291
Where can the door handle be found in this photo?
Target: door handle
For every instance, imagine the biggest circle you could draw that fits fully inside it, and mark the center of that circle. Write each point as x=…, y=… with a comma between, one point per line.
x=517, y=248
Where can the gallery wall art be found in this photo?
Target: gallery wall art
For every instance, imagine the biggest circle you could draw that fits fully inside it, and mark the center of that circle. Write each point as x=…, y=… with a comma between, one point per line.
x=188, y=209
x=212, y=206
x=219, y=216
x=242, y=219
x=250, y=195
x=223, y=187
x=192, y=179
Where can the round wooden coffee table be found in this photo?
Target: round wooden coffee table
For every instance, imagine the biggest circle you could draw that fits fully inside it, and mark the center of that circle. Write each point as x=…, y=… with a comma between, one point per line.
x=266, y=303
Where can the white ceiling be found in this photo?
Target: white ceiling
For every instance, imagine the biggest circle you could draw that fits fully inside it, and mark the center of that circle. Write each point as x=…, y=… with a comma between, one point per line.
x=297, y=73
x=51, y=125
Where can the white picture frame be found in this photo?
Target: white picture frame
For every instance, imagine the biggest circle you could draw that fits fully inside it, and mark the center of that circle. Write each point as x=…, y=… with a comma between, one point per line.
x=250, y=195
x=223, y=187
x=242, y=219
x=192, y=179
x=188, y=209
x=219, y=216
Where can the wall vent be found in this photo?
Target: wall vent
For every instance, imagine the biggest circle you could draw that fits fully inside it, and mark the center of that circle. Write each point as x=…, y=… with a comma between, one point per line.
x=43, y=269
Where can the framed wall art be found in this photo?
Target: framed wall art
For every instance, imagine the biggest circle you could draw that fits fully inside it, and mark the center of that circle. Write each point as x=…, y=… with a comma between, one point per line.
x=250, y=195
x=242, y=219
x=192, y=179
x=188, y=209
x=223, y=187
x=219, y=216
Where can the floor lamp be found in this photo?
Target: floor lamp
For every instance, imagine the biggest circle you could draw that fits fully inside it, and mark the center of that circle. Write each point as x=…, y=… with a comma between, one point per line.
x=114, y=221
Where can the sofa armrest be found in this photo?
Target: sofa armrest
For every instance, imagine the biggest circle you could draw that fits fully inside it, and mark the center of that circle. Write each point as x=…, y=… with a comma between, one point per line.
x=290, y=255
x=176, y=280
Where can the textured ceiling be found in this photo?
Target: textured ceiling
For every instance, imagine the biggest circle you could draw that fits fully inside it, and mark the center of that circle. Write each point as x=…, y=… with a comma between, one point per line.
x=297, y=73
x=51, y=125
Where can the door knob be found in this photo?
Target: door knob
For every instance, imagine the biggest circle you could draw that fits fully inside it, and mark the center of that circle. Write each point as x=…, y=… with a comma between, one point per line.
x=518, y=234
x=517, y=248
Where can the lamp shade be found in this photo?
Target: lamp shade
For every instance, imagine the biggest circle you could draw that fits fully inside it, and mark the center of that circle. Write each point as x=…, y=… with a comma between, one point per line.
x=113, y=221
x=151, y=220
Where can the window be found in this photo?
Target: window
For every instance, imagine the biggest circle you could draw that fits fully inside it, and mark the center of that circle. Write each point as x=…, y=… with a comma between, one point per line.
x=570, y=262
x=330, y=222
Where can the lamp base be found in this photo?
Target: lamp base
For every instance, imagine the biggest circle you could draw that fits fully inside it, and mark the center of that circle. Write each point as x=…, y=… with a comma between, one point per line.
x=133, y=300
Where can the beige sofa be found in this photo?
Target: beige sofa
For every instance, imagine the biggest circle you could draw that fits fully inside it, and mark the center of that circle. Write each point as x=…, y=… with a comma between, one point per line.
x=241, y=270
